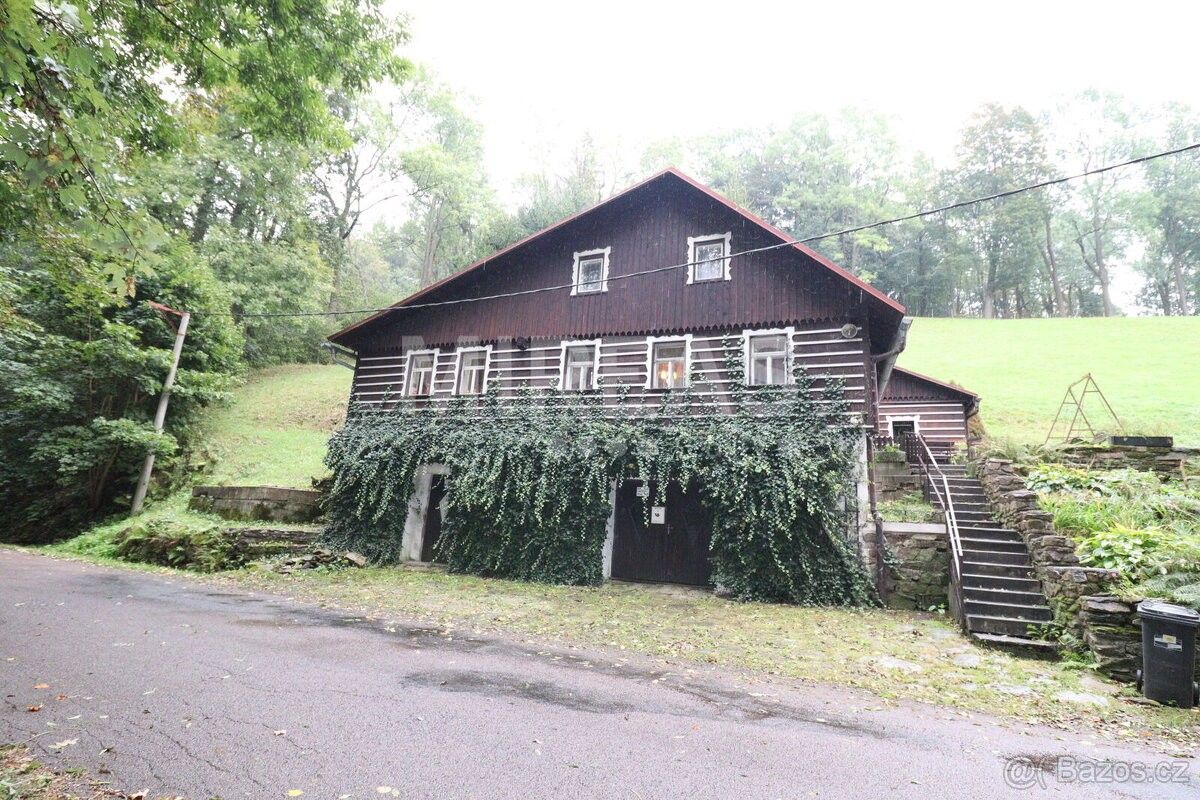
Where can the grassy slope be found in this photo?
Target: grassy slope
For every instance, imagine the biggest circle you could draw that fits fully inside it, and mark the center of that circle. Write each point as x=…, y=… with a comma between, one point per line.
x=1148, y=367
x=275, y=430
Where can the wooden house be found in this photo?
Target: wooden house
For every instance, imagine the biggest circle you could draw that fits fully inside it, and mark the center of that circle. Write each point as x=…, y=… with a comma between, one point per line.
x=915, y=403
x=631, y=297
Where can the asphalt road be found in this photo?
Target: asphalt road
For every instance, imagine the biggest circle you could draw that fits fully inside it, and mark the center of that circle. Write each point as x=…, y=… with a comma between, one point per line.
x=173, y=686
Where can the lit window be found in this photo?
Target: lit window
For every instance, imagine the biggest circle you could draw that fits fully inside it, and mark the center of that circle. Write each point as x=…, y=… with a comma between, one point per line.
x=579, y=368
x=668, y=368
x=472, y=371
x=767, y=359
x=708, y=257
x=591, y=272
x=420, y=374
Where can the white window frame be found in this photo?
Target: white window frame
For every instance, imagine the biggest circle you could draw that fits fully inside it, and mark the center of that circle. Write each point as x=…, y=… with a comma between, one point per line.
x=562, y=373
x=584, y=255
x=408, y=372
x=487, y=365
x=913, y=418
x=691, y=255
x=789, y=353
x=651, y=341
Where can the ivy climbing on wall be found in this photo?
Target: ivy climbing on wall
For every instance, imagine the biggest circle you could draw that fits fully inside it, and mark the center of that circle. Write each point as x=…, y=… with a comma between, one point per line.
x=530, y=478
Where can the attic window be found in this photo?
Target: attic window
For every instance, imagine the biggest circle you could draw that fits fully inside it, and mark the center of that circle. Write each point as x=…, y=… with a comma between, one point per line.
x=708, y=258
x=591, y=272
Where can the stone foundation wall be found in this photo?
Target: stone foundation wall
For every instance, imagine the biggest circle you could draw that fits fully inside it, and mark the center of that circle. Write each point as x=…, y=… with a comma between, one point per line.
x=258, y=503
x=1053, y=556
x=1165, y=461
x=1113, y=632
x=917, y=565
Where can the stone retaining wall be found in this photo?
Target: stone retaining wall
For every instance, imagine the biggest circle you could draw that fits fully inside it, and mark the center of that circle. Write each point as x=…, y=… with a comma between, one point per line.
x=1166, y=461
x=917, y=565
x=258, y=503
x=1113, y=632
x=1053, y=556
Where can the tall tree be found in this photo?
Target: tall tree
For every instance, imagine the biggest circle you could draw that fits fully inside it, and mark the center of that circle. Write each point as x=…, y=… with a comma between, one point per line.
x=454, y=210
x=1101, y=132
x=1001, y=149
x=1170, y=218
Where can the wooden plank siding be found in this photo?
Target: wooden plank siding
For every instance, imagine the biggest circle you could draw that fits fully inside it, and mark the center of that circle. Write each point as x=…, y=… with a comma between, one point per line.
x=824, y=353
x=940, y=410
x=646, y=229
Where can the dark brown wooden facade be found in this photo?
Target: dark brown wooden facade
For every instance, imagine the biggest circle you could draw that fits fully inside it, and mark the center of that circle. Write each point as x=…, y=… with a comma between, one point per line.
x=516, y=317
x=936, y=410
x=786, y=288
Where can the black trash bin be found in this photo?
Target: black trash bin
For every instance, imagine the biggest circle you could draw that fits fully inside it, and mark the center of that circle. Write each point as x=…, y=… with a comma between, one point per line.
x=1168, y=653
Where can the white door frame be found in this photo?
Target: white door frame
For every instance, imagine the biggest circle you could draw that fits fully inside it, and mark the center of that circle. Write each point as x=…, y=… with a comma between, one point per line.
x=418, y=509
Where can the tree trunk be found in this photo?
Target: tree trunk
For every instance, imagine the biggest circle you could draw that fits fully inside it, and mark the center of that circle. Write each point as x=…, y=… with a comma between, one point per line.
x=1060, y=305
x=204, y=208
x=1181, y=293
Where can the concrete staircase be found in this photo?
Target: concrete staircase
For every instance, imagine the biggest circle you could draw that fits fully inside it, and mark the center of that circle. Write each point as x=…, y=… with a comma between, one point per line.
x=1002, y=598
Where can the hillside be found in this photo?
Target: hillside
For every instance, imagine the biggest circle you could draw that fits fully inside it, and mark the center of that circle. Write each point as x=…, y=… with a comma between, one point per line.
x=275, y=429
x=1148, y=367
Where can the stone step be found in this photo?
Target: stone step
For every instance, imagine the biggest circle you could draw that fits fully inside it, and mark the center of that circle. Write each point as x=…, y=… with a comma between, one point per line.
x=977, y=545
x=1004, y=610
x=973, y=580
x=1018, y=643
x=971, y=556
x=1003, y=596
x=988, y=532
x=971, y=521
x=1007, y=626
x=997, y=569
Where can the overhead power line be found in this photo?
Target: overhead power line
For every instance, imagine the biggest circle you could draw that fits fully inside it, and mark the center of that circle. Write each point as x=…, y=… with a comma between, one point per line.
x=787, y=243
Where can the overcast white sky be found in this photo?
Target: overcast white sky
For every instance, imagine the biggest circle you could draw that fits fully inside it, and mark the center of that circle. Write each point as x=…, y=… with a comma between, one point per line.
x=544, y=73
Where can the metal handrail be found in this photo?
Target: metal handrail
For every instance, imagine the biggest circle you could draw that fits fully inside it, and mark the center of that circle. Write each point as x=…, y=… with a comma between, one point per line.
x=917, y=449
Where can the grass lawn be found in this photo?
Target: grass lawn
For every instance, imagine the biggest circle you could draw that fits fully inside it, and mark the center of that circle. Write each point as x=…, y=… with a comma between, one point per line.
x=23, y=778
x=275, y=429
x=1148, y=367
x=892, y=654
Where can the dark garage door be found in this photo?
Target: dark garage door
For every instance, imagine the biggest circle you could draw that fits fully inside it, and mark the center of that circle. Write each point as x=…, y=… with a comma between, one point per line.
x=673, y=552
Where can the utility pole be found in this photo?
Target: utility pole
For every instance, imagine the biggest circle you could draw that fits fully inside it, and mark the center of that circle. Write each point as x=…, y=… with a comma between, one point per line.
x=160, y=416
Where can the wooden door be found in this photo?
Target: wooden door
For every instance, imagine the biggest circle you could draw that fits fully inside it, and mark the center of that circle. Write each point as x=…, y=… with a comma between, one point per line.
x=433, y=518
x=673, y=552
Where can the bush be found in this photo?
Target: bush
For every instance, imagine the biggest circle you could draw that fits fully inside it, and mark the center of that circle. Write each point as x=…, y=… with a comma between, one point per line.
x=174, y=544
x=912, y=507
x=1141, y=554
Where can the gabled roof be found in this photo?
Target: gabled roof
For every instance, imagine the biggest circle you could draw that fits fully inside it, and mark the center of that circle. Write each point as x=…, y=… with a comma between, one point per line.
x=670, y=173
x=965, y=393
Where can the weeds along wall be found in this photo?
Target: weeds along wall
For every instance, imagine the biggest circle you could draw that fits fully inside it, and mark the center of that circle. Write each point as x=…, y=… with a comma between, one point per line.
x=529, y=481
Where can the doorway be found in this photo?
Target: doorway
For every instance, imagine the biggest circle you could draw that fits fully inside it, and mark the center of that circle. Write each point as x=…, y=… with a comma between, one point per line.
x=432, y=531
x=674, y=549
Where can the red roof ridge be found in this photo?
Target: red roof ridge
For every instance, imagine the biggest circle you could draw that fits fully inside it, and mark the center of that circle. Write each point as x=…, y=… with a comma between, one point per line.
x=768, y=227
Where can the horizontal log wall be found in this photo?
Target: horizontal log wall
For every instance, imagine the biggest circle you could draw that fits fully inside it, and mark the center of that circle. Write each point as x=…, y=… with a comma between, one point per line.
x=823, y=352
x=937, y=420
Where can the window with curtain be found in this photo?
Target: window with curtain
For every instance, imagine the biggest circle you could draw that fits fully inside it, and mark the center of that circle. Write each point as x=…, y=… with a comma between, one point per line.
x=669, y=365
